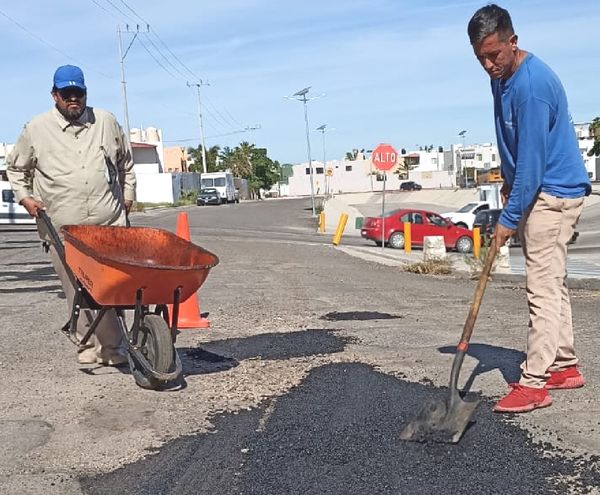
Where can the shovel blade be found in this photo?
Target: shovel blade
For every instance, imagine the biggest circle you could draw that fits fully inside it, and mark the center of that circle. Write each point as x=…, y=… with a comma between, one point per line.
x=442, y=421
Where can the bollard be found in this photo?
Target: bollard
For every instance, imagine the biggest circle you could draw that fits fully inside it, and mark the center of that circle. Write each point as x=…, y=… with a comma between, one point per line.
x=476, y=242
x=340, y=229
x=322, y=222
x=407, y=238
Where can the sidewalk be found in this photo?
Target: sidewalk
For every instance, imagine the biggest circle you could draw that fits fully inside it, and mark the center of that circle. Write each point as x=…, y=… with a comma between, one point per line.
x=581, y=273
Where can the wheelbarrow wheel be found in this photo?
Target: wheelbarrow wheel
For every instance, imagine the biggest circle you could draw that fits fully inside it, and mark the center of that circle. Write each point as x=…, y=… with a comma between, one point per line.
x=156, y=344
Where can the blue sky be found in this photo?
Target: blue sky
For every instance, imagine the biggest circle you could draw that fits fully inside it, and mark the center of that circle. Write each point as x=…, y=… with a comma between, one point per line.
x=395, y=71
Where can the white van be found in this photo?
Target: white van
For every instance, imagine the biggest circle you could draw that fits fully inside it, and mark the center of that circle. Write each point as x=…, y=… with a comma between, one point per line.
x=222, y=182
x=11, y=212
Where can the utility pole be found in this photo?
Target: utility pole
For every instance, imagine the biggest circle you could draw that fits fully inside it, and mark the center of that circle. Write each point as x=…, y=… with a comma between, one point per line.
x=301, y=96
x=122, y=62
x=201, y=83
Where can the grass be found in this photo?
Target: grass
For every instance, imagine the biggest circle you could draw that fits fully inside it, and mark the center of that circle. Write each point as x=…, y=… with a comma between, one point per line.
x=476, y=264
x=187, y=198
x=441, y=266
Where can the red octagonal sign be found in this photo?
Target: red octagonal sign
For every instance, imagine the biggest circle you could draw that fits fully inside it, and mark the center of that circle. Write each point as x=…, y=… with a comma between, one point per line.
x=384, y=157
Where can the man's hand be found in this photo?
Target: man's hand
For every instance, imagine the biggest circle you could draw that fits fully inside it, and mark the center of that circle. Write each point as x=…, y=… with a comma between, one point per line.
x=32, y=206
x=502, y=234
x=127, y=204
x=504, y=193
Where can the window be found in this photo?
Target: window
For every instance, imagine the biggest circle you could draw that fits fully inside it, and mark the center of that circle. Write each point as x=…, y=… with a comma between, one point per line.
x=493, y=157
x=417, y=218
x=434, y=161
x=8, y=196
x=319, y=170
x=307, y=170
x=220, y=182
x=207, y=183
x=435, y=220
x=348, y=168
x=479, y=157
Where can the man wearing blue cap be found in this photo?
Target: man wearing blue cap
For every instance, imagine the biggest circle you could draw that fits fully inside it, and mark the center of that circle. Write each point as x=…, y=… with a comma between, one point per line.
x=75, y=163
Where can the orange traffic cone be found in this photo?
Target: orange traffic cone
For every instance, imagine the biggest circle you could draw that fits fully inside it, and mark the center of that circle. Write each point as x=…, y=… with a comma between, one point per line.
x=189, y=311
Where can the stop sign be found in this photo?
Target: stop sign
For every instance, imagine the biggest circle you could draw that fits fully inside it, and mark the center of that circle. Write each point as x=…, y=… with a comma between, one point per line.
x=384, y=157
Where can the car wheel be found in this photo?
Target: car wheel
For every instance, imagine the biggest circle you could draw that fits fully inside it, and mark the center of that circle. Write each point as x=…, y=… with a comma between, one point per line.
x=396, y=240
x=464, y=244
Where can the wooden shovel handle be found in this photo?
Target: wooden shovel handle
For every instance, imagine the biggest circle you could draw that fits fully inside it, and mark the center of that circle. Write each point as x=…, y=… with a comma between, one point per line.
x=479, y=291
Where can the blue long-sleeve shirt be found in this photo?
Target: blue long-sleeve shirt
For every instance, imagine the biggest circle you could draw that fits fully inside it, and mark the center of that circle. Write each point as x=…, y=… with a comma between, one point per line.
x=536, y=139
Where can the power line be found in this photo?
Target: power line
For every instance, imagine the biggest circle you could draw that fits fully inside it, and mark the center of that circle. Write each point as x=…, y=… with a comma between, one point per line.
x=156, y=60
x=160, y=40
x=49, y=45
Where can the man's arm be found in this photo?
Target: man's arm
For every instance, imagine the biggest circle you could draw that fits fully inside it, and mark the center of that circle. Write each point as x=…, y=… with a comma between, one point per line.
x=533, y=122
x=21, y=164
x=125, y=169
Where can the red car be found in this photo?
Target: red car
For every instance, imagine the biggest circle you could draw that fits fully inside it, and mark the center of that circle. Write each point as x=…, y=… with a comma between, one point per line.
x=423, y=223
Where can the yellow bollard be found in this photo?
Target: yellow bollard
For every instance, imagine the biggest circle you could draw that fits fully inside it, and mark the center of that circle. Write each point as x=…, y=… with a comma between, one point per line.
x=407, y=238
x=322, y=222
x=476, y=242
x=340, y=229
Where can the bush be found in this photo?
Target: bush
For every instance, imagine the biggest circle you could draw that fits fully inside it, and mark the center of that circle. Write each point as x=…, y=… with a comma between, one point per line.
x=441, y=266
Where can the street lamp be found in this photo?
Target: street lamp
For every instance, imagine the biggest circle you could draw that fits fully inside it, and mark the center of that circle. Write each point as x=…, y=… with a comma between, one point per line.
x=301, y=96
x=327, y=178
x=462, y=134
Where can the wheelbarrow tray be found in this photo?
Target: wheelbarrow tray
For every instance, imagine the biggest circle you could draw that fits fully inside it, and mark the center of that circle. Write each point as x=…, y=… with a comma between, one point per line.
x=112, y=263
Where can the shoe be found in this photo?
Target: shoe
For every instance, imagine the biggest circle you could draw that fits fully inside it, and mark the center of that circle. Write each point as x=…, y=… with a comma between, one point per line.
x=523, y=399
x=116, y=359
x=87, y=356
x=566, y=378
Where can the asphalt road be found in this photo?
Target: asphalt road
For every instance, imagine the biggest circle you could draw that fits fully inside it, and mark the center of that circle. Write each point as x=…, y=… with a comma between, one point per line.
x=313, y=363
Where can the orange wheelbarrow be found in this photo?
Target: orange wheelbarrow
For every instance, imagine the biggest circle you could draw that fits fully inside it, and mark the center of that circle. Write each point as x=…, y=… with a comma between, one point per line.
x=133, y=268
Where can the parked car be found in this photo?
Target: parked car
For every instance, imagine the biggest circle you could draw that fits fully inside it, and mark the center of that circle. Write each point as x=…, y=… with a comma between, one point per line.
x=423, y=223
x=208, y=196
x=486, y=220
x=410, y=185
x=465, y=216
x=11, y=212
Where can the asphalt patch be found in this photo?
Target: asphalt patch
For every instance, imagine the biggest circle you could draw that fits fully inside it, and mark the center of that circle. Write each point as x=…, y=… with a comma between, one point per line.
x=337, y=433
x=272, y=346
x=358, y=316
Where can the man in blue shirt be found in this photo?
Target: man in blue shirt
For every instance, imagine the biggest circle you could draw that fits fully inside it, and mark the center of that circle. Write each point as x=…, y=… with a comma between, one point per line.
x=545, y=182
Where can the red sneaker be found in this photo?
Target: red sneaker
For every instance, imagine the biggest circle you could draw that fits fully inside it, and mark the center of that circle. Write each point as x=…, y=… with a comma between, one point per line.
x=523, y=399
x=566, y=378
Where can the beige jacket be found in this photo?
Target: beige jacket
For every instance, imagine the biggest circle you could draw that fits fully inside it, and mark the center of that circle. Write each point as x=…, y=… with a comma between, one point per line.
x=82, y=172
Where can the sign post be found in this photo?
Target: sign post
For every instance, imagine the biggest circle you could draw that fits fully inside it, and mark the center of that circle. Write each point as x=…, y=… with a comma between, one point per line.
x=384, y=158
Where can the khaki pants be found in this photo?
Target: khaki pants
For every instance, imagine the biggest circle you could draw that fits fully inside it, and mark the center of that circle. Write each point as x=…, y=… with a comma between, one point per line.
x=107, y=339
x=544, y=232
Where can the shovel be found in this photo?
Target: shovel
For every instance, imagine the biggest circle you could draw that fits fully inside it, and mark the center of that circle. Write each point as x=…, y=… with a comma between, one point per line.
x=445, y=421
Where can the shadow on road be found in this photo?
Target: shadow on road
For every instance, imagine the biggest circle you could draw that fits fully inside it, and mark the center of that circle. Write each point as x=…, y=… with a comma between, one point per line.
x=490, y=358
x=221, y=355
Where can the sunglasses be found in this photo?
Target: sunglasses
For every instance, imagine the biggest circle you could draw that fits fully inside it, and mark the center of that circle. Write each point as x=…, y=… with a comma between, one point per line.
x=68, y=93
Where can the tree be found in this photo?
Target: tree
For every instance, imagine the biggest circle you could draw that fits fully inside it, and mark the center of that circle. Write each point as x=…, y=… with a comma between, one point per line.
x=265, y=172
x=595, y=133
x=238, y=160
x=405, y=165
x=212, y=155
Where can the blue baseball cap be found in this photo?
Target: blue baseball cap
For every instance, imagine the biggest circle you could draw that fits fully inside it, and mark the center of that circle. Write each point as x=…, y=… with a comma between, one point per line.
x=67, y=76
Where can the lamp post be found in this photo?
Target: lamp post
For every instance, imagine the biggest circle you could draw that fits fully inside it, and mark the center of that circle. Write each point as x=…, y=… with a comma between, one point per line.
x=462, y=134
x=301, y=96
x=322, y=129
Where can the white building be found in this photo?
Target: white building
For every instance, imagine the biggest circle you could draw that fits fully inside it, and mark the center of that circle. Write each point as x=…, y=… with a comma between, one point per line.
x=586, y=142
x=431, y=167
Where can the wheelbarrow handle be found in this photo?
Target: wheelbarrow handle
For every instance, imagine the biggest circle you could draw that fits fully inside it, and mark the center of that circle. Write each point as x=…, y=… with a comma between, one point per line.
x=55, y=239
